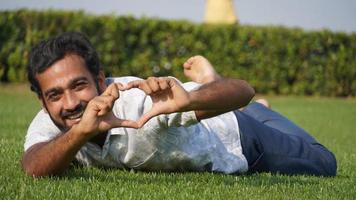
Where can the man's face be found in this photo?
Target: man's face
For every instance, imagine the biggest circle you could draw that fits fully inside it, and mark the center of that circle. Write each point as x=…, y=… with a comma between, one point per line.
x=67, y=86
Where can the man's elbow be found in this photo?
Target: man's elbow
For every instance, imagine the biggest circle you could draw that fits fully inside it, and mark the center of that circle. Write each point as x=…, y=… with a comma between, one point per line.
x=30, y=169
x=248, y=92
x=34, y=169
x=251, y=92
x=32, y=173
x=35, y=172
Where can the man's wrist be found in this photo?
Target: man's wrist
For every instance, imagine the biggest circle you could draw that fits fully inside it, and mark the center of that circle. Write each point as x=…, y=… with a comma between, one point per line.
x=192, y=101
x=80, y=134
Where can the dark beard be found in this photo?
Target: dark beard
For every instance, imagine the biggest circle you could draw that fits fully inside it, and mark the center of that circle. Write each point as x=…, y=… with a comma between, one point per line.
x=80, y=108
x=60, y=126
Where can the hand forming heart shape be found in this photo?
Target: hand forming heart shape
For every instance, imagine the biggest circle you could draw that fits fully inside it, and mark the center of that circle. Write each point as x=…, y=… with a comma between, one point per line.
x=167, y=95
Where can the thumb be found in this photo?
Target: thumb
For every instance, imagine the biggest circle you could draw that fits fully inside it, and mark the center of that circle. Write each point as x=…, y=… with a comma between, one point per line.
x=117, y=123
x=147, y=116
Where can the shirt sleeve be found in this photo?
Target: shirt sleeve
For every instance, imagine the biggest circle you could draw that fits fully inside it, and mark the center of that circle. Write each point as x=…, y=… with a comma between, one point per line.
x=41, y=129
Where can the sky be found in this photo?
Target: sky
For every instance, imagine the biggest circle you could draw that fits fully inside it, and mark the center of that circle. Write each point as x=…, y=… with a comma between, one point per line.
x=335, y=15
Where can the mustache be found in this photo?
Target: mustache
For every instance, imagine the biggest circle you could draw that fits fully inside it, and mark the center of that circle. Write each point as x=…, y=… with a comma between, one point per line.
x=78, y=109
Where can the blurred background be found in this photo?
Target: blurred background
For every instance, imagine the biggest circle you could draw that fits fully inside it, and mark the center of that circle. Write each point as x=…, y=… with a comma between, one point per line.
x=336, y=15
x=304, y=47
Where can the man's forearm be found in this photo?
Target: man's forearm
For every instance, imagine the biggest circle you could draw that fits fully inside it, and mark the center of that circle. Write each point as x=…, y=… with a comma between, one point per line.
x=222, y=95
x=53, y=157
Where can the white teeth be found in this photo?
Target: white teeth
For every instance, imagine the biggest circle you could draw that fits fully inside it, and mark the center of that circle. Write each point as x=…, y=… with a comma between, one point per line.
x=75, y=116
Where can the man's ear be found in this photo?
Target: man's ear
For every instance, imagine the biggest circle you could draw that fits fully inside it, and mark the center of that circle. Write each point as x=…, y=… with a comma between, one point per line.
x=101, y=81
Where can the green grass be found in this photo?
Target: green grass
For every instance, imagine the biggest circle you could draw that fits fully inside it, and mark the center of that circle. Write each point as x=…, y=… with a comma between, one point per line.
x=331, y=121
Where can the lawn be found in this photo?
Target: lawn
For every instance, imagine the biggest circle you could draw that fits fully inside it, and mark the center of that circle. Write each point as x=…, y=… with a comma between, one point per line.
x=332, y=121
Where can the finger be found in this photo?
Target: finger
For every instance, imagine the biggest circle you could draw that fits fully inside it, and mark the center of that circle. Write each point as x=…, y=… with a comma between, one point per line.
x=124, y=123
x=146, y=117
x=133, y=84
x=171, y=82
x=152, y=82
x=145, y=87
x=120, y=86
x=163, y=83
x=115, y=92
x=103, y=109
x=109, y=100
x=107, y=91
x=111, y=90
x=141, y=84
x=102, y=104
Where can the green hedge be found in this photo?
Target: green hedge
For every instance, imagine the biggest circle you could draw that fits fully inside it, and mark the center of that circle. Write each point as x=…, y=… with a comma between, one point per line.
x=273, y=59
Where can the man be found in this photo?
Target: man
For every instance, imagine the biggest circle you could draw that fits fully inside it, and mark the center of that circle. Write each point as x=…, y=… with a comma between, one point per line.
x=156, y=124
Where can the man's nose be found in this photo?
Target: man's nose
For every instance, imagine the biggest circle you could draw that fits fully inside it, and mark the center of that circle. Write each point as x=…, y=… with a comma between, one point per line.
x=71, y=101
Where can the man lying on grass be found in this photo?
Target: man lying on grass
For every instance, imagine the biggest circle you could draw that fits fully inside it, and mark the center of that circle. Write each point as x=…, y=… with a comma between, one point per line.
x=157, y=124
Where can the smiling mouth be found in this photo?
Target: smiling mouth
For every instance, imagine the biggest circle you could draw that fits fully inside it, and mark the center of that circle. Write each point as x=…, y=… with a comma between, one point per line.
x=75, y=116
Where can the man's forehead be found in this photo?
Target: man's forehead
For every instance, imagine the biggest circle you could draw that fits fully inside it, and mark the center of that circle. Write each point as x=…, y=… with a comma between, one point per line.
x=63, y=72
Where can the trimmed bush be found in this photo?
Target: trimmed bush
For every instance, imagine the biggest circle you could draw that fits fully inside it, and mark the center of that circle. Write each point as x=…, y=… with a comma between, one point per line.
x=274, y=60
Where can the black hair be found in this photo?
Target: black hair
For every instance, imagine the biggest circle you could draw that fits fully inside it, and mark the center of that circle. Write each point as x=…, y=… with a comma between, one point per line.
x=47, y=52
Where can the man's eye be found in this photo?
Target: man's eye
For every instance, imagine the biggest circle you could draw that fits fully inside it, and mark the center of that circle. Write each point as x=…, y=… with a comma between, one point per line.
x=53, y=97
x=80, y=85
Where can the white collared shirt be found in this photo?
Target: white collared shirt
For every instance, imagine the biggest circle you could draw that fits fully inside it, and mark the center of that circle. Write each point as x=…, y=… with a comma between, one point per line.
x=168, y=142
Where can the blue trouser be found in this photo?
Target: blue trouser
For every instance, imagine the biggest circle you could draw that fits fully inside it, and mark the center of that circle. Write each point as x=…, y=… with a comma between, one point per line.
x=272, y=143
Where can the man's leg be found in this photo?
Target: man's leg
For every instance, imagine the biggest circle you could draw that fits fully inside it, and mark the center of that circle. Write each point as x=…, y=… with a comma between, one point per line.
x=270, y=141
x=275, y=120
x=274, y=144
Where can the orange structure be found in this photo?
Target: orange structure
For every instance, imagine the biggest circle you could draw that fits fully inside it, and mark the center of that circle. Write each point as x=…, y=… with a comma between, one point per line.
x=220, y=12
